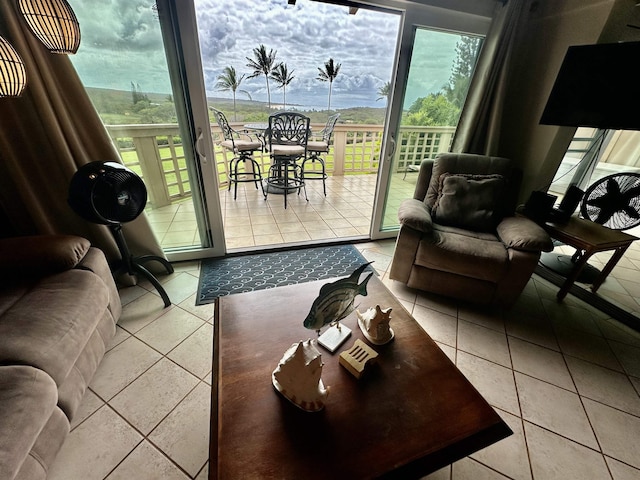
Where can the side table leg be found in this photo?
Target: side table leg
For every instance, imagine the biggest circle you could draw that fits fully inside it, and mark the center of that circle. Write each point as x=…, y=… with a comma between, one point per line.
x=582, y=260
x=608, y=267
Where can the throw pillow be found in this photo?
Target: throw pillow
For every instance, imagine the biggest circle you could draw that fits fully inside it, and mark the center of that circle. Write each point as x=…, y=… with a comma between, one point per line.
x=469, y=201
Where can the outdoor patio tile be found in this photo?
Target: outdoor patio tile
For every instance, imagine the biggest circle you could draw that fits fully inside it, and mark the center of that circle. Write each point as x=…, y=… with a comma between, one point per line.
x=321, y=234
x=271, y=239
x=291, y=227
x=292, y=237
x=346, y=232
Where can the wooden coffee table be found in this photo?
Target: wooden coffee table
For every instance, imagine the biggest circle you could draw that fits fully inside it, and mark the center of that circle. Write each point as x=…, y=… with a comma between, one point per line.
x=410, y=414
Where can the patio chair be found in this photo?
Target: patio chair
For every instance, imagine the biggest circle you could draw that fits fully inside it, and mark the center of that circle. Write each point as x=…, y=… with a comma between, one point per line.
x=287, y=137
x=242, y=145
x=315, y=148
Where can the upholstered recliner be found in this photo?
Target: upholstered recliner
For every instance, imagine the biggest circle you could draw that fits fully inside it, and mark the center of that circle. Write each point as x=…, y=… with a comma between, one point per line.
x=459, y=236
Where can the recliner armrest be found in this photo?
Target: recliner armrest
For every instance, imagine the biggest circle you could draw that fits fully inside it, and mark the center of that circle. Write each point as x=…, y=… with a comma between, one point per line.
x=520, y=233
x=414, y=214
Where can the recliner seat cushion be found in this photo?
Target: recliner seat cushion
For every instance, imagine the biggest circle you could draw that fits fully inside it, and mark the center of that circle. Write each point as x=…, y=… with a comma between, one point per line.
x=481, y=256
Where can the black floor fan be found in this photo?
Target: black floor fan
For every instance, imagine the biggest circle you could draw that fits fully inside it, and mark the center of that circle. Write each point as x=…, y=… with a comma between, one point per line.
x=110, y=194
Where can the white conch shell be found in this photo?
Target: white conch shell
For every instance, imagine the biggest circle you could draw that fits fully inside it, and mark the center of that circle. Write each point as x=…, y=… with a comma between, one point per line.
x=297, y=377
x=374, y=324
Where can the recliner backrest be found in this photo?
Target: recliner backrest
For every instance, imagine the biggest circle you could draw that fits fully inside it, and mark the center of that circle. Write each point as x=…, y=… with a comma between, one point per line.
x=466, y=163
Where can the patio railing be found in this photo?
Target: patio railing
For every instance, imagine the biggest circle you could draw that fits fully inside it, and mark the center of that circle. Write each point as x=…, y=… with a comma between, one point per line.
x=155, y=152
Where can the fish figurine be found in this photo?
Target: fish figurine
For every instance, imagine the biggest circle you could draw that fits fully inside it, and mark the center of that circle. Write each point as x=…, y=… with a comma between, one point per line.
x=335, y=300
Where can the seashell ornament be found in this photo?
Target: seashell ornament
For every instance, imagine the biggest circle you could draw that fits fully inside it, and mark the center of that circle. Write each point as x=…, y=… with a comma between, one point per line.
x=297, y=377
x=374, y=324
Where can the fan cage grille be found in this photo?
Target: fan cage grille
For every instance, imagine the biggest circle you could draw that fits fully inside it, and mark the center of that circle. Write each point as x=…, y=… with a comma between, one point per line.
x=623, y=212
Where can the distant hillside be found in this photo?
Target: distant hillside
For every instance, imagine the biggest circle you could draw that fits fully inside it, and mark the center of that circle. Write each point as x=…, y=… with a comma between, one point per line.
x=116, y=107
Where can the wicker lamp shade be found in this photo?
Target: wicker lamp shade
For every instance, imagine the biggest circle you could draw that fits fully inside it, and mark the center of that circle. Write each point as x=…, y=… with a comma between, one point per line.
x=13, y=75
x=53, y=22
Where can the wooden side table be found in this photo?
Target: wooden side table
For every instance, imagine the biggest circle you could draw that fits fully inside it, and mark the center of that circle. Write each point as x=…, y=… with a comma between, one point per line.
x=589, y=238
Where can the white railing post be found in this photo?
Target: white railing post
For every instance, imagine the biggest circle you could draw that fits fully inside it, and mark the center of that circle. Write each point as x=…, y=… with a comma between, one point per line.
x=339, y=151
x=151, y=166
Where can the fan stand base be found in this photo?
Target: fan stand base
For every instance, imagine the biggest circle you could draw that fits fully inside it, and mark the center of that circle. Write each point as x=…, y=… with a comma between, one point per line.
x=133, y=265
x=564, y=264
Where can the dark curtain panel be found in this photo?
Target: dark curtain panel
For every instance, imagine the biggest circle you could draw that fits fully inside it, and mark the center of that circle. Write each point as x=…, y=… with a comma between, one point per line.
x=45, y=135
x=479, y=126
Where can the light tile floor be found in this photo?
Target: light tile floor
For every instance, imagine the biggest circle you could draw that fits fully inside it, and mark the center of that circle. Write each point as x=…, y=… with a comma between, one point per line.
x=562, y=375
x=252, y=223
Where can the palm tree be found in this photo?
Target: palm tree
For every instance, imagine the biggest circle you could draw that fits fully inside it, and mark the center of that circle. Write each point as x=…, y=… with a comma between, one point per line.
x=228, y=81
x=283, y=77
x=384, y=91
x=329, y=73
x=262, y=64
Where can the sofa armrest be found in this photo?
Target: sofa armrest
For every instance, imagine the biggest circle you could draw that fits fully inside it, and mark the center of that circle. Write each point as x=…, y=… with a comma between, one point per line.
x=520, y=233
x=414, y=214
x=41, y=254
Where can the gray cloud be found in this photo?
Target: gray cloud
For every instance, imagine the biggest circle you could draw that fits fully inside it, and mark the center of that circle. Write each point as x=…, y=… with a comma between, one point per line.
x=122, y=42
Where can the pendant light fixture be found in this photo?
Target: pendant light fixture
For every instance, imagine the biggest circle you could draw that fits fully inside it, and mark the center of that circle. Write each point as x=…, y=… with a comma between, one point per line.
x=13, y=75
x=53, y=22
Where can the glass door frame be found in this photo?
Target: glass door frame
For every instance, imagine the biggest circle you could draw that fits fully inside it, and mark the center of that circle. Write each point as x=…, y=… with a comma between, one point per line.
x=475, y=20
x=415, y=16
x=182, y=15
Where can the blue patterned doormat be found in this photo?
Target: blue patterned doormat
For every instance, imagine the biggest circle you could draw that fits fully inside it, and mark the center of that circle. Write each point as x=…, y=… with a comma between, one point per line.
x=226, y=276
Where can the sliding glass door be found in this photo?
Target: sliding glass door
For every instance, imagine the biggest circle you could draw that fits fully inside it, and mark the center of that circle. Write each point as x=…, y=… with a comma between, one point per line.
x=154, y=69
x=435, y=65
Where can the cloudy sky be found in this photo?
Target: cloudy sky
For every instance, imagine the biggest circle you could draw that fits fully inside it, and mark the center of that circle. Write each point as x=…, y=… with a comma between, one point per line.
x=121, y=43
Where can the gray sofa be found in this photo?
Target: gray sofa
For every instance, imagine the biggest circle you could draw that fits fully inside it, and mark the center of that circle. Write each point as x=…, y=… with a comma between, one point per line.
x=58, y=310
